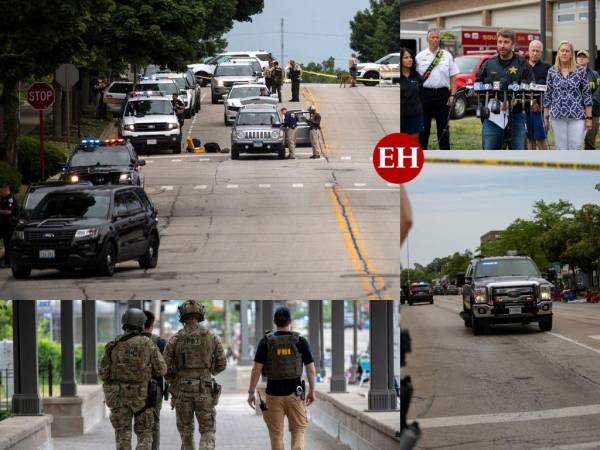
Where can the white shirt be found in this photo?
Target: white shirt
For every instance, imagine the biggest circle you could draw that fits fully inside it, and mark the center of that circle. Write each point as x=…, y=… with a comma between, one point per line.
x=440, y=75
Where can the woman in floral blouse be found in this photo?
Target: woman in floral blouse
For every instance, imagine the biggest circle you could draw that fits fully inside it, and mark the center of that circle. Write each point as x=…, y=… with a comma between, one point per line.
x=568, y=100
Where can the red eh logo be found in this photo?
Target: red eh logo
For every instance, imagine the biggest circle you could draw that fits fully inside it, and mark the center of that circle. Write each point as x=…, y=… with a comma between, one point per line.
x=398, y=158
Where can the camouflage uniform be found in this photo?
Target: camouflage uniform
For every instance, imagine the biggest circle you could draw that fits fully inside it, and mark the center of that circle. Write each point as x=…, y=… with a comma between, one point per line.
x=193, y=355
x=128, y=363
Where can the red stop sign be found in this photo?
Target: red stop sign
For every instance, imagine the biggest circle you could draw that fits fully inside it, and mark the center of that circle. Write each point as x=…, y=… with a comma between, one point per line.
x=40, y=95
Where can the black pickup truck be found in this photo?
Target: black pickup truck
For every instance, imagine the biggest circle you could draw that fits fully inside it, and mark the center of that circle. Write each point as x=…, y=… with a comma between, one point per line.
x=505, y=289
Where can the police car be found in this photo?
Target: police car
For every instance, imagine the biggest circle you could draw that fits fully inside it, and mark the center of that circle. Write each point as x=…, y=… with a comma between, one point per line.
x=228, y=74
x=189, y=89
x=149, y=121
x=386, y=68
x=109, y=161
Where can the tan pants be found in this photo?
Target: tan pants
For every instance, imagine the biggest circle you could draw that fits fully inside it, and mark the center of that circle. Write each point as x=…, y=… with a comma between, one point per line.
x=292, y=407
x=590, y=137
x=291, y=141
x=315, y=141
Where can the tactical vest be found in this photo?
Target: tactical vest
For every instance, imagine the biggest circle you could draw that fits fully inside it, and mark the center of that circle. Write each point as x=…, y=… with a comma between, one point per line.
x=194, y=349
x=278, y=75
x=130, y=359
x=284, y=361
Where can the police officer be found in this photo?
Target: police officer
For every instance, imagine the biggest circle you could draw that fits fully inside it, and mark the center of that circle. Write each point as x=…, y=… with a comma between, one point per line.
x=583, y=59
x=280, y=357
x=127, y=367
x=290, y=122
x=295, y=75
x=193, y=356
x=160, y=381
x=353, y=68
x=277, y=79
x=8, y=219
x=315, y=132
x=509, y=68
x=268, y=74
x=179, y=108
x=438, y=69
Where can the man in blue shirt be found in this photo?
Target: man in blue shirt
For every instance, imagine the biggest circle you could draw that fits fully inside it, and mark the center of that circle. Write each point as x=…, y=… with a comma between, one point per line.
x=290, y=123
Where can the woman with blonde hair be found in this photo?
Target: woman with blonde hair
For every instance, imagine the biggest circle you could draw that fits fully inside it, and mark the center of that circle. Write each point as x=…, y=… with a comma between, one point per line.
x=568, y=100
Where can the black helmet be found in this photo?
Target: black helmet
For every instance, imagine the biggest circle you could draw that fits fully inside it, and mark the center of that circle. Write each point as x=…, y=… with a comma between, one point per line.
x=133, y=318
x=189, y=308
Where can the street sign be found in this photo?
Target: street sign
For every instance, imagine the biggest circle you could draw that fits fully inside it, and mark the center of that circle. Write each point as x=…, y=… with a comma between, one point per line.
x=67, y=75
x=40, y=95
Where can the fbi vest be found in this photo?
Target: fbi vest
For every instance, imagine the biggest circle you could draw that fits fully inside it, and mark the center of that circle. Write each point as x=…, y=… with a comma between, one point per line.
x=284, y=361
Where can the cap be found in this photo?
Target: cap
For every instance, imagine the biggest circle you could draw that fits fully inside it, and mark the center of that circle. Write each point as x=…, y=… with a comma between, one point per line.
x=584, y=53
x=311, y=108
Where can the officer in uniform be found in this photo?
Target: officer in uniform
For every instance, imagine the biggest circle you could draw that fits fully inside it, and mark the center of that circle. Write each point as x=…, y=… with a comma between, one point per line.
x=160, y=381
x=179, y=108
x=193, y=356
x=438, y=69
x=295, y=75
x=509, y=68
x=353, y=68
x=8, y=219
x=276, y=79
x=290, y=123
x=280, y=357
x=315, y=132
x=127, y=367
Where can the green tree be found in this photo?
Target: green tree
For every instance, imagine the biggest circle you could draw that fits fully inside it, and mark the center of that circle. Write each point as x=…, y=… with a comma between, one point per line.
x=549, y=214
x=36, y=38
x=5, y=320
x=375, y=32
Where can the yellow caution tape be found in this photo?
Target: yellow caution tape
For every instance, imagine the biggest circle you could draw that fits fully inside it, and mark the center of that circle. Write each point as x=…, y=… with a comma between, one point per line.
x=513, y=163
x=371, y=80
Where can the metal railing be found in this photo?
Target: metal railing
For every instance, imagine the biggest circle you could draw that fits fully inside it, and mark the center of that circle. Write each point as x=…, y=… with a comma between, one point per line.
x=7, y=377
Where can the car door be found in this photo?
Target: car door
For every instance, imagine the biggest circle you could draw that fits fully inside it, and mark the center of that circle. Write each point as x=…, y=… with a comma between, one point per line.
x=137, y=222
x=302, y=129
x=122, y=225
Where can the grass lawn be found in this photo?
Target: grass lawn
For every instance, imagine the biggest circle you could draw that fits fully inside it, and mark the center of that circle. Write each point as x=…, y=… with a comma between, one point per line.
x=465, y=134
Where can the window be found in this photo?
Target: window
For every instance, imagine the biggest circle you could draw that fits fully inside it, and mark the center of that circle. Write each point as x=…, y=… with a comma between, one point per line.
x=566, y=18
x=120, y=204
x=120, y=88
x=567, y=5
x=134, y=205
x=583, y=5
x=583, y=16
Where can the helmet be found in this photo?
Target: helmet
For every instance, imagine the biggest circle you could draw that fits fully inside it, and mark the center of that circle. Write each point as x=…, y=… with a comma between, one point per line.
x=191, y=307
x=133, y=318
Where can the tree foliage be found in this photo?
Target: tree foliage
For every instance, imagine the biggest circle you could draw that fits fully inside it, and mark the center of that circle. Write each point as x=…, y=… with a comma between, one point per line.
x=5, y=320
x=375, y=32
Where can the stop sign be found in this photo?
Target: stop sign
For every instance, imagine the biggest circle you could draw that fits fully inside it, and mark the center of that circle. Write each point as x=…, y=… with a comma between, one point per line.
x=40, y=95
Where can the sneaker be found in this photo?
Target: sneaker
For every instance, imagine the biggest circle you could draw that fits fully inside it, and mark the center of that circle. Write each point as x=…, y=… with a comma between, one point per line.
x=291, y=157
x=315, y=157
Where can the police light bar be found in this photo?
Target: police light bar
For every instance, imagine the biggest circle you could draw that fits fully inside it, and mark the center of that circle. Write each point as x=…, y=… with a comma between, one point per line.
x=92, y=143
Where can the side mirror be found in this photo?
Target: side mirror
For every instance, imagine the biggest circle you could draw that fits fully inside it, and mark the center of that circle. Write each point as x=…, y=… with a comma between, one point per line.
x=224, y=96
x=468, y=280
x=141, y=162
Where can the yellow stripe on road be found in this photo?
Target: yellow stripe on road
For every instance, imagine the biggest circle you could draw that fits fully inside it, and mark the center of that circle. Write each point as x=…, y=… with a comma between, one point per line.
x=373, y=283
x=501, y=162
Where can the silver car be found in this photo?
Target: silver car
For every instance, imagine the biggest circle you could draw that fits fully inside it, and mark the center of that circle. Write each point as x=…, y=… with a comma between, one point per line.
x=302, y=127
x=232, y=103
x=228, y=74
x=257, y=129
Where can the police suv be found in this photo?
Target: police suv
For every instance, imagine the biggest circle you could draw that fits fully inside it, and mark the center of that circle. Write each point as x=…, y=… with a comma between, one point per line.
x=149, y=121
x=505, y=289
x=109, y=161
x=386, y=68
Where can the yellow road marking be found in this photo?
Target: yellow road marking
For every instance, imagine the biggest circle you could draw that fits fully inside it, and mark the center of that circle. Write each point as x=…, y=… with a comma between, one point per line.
x=353, y=240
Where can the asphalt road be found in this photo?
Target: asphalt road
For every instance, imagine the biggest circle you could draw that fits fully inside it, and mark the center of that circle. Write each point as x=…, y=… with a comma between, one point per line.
x=262, y=228
x=512, y=388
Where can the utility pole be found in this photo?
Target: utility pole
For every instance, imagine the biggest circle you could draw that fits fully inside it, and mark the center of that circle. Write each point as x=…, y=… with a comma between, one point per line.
x=282, y=60
x=543, y=27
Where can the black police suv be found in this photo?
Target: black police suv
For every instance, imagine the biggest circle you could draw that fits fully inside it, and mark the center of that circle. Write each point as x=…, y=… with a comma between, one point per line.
x=111, y=161
x=420, y=292
x=87, y=227
x=505, y=289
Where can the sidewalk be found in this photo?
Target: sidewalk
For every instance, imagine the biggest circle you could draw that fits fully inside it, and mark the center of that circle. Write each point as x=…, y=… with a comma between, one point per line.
x=238, y=428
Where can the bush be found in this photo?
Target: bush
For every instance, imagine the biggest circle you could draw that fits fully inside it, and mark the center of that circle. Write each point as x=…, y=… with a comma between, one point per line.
x=48, y=349
x=11, y=176
x=29, y=160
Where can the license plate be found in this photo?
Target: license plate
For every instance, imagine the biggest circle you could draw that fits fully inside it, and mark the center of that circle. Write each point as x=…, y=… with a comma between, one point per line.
x=151, y=141
x=514, y=310
x=47, y=254
x=258, y=143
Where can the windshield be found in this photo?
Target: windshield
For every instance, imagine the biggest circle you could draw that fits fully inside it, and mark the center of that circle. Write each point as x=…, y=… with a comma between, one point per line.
x=167, y=88
x=120, y=88
x=77, y=205
x=261, y=118
x=253, y=63
x=180, y=82
x=466, y=63
x=263, y=56
x=234, y=71
x=506, y=268
x=141, y=108
x=242, y=92
x=110, y=156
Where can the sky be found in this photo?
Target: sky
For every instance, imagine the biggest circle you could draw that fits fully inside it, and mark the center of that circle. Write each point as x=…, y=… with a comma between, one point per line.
x=454, y=205
x=314, y=30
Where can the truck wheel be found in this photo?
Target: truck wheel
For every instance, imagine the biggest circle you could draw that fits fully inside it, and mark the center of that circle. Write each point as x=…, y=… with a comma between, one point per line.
x=476, y=325
x=459, y=109
x=149, y=259
x=177, y=149
x=431, y=301
x=545, y=324
x=466, y=317
x=109, y=259
x=410, y=302
x=21, y=272
x=235, y=152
